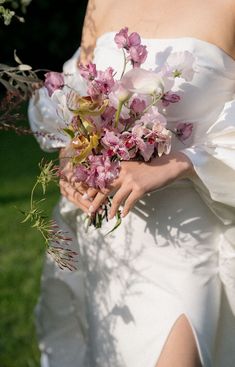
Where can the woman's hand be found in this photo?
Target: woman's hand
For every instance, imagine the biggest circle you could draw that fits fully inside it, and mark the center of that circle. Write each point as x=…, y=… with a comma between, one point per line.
x=72, y=190
x=139, y=178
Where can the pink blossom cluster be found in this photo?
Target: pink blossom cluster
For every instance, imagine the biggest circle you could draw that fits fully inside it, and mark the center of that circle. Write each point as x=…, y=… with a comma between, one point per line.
x=120, y=119
x=137, y=52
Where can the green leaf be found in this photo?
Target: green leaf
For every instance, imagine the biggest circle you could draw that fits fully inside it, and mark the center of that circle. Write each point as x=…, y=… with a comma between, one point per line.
x=117, y=224
x=69, y=132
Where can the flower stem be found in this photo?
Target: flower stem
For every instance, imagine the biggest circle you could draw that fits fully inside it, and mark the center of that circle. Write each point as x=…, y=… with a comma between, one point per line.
x=118, y=112
x=125, y=63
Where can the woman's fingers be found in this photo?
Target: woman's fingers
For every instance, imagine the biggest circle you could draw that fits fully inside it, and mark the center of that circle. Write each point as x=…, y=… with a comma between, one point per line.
x=90, y=193
x=119, y=198
x=74, y=196
x=130, y=202
x=99, y=199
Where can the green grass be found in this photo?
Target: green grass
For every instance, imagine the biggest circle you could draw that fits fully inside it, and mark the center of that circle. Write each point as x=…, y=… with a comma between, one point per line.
x=21, y=250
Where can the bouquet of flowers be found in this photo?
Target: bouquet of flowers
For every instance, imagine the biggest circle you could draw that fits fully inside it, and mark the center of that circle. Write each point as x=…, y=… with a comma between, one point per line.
x=117, y=119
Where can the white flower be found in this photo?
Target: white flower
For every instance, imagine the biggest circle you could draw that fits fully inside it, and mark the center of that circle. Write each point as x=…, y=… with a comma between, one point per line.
x=142, y=81
x=181, y=64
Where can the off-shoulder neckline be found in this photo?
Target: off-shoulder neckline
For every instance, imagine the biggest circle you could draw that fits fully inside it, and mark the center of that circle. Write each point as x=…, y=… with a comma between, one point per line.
x=177, y=39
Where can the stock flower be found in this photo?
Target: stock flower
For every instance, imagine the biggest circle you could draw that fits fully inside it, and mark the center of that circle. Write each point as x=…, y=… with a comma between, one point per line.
x=53, y=81
x=184, y=130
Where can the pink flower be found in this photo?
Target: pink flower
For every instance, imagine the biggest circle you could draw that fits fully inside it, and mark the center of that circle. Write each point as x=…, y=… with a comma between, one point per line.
x=151, y=117
x=100, y=173
x=170, y=97
x=115, y=145
x=53, y=81
x=105, y=80
x=107, y=117
x=88, y=71
x=184, y=130
x=138, y=55
x=102, y=84
x=124, y=41
x=138, y=105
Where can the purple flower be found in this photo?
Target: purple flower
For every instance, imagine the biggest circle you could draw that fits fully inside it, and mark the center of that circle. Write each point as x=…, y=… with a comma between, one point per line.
x=114, y=145
x=53, y=81
x=105, y=80
x=100, y=173
x=170, y=97
x=184, y=130
x=138, y=55
x=102, y=84
x=88, y=71
x=124, y=41
x=137, y=105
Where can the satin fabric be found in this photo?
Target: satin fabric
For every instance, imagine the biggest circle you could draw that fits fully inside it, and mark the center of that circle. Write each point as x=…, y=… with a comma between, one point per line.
x=173, y=254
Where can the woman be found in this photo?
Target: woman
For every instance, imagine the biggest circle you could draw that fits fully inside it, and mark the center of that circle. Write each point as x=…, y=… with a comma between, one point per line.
x=159, y=291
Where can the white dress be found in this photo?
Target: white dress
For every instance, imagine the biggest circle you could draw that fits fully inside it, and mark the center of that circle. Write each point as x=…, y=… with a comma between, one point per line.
x=173, y=255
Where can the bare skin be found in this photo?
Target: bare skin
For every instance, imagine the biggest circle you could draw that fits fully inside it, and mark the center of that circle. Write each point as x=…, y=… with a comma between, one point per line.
x=209, y=20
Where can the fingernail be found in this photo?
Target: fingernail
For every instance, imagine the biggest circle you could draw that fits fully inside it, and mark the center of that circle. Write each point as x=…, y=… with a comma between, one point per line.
x=91, y=209
x=85, y=196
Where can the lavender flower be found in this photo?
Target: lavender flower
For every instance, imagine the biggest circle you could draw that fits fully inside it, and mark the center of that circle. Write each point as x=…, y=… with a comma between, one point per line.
x=53, y=81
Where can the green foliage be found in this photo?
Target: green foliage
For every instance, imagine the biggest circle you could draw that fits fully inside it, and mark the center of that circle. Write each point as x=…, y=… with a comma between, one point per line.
x=21, y=250
x=7, y=13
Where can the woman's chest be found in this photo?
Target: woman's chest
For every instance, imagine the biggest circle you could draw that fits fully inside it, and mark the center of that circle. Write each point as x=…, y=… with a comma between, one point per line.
x=210, y=20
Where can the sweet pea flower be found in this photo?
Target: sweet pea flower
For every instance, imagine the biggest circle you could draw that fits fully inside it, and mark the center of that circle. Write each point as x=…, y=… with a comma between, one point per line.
x=169, y=98
x=124, y=41
x=142, y=81
x=137, y=105
x=53, y=81
x=138, y=55
x=184, y=130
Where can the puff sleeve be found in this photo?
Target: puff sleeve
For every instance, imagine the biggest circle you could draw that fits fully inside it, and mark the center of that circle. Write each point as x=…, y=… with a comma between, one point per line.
x=43, y=115
x=213, y=159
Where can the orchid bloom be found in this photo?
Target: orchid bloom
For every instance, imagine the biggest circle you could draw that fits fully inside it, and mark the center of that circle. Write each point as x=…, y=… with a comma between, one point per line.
x=181, y=64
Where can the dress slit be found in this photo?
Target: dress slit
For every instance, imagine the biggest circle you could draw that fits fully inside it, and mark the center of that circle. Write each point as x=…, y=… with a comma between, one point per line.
x=196, y=340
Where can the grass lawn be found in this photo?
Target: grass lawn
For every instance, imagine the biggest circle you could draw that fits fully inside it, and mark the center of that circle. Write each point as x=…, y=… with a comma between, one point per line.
x=21, y=250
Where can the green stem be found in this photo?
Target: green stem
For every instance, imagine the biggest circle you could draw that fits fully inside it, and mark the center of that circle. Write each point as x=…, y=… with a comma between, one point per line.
x=32, y=194
x=118, y=112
